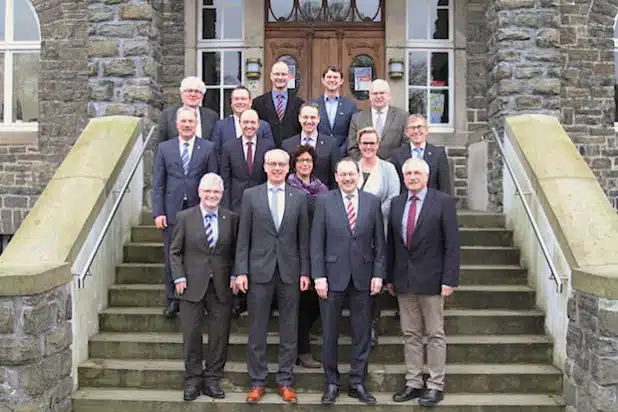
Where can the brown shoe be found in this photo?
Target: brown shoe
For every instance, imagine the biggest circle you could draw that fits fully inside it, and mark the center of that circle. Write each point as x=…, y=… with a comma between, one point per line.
x=306, y=360
x=287, y=394
x=256, y=394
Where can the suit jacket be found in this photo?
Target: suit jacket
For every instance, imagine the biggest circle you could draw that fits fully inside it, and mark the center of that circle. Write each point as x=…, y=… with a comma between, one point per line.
x=434, y=254
x=328, y=156
x=393, y=132
x=345, y=109
x=170, y=185
x=167, y=122
x=435, y=156
x=192, y=258
x=339, y=255
x=225, y=130
x=289, y=125
x=261, y=248
x=235, y=173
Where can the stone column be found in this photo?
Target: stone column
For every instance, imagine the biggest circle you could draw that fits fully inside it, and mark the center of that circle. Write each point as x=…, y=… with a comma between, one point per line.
x=35, y=351
x=524, y=69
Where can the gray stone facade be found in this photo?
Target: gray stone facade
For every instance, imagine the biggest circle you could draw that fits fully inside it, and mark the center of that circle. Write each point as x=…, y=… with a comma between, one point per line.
x=591, y=369
x=35, y=352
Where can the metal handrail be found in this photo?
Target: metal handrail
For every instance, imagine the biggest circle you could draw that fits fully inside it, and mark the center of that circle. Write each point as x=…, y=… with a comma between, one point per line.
x=552, y=268
x=81, y=277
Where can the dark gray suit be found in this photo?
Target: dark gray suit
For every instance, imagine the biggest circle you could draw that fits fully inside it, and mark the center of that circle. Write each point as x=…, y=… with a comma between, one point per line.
x=192, y=258
x=274, y=261
x=167, y=122
x=435, y=156
x=393, y=132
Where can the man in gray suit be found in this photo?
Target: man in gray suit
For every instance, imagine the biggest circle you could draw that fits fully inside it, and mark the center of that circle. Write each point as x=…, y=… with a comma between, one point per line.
x=202, y=256
x=272, y=256
x=389, y=121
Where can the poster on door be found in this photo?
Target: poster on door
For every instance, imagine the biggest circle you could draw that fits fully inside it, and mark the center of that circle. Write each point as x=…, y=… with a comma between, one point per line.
x=362, y=79
x=292, y=81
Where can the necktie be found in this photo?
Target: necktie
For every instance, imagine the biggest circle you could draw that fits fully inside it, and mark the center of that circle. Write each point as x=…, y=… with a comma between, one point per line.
x=185, y=158
x=418, y=152
x=379, y=123
x=351, y=213
x=280, y=106
x=274, y=206
x=332, y=111
x=210, y=234
x=308, y=141
x=249, y=156
x=411, y=220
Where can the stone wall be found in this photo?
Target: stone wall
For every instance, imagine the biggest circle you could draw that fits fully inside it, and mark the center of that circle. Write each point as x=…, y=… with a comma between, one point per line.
x=35, y=352
x=173, y=68
x=476, y=90
x=63, y=101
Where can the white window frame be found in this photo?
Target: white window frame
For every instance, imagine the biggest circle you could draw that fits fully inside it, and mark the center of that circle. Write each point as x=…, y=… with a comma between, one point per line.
x=9, y=47
x=220, y=42
x=439, y=46
x=221, y=86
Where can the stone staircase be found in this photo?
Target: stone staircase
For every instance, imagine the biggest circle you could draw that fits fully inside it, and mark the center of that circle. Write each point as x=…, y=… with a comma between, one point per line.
x=499, y=358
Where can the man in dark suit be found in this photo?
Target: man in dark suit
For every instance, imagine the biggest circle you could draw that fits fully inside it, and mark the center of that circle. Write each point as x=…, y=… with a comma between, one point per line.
x=202, y=254
x=325, y=146
x=278, y=106
x=423, y=268
x=179, y=165
x=347, y=260
x=435, y=156
x=335, y=111
x=242, y=161
x=272, y=256
x=191, y=92
x=229, y=128
x=389, y=121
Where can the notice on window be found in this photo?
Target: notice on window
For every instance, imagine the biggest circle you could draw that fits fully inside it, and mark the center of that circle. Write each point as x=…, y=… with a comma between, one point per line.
x=436, y=107
x=362, y=79
x=292, y=81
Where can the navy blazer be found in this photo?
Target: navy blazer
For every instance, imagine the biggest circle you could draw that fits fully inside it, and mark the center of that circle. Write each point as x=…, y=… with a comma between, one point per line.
x=286, y=127
x=170, y=185
x=235, y=173
x=434, y=255
x=345, y=109
x=339, y=255
x=167, y=122
x=225, y=130
x=328, y=156
x=435, y=156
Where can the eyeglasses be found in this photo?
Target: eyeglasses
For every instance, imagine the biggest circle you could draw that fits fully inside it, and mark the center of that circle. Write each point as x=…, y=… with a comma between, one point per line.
x=192, y=91
x=277, y=164
x=417, y=127
x=304, y=160
x=368, y=143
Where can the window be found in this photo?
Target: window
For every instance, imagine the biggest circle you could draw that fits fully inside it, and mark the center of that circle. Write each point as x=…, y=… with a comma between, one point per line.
x=219, y=54
x=20, y=45
x=327, y=11
x=429, y=61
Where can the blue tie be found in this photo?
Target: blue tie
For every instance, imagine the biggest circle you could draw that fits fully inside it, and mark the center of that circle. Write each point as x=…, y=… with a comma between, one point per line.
x=379, y=123
x=308, y=141
x=210, y=235
x=185, y=158
x=274, y=209
x=418, y=152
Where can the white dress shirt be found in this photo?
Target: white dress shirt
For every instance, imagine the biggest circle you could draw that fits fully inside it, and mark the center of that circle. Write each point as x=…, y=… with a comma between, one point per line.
x=237, y=126
x=280, y=200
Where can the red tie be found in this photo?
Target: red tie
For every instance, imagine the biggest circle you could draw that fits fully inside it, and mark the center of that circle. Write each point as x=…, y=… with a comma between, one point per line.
x=280, y=107
x=249, y=156
x=351, y=213
x=411, y=219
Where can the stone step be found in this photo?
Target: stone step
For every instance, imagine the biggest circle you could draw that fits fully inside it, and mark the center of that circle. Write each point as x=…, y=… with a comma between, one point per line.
x=461, y=349
x=467, y=378
x=150, y=252
x=470, y=236
x=456, y=321
x=87, y=399
x=152, y=273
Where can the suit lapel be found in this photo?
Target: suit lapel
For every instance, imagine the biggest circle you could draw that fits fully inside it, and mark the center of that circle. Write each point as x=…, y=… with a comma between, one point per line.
x=258, y=156
x=286, y=205
x=339, y=204
x=202, y=121
x=428, y=153
x=224, y=227
x=270, y=106
x=425, y=210
x=397, y=207
x=198, y=147
x=197, y=223
x=264, y=195
x=230, y=127
x=389, y=119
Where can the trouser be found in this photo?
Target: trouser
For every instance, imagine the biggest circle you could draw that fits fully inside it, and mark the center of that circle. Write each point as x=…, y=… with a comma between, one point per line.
x=308, y=313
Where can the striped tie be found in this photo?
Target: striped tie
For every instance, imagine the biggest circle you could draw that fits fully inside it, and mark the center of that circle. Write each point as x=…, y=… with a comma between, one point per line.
x=280, y=106
x=210, y=235
x=185, y=158
x=351, y=213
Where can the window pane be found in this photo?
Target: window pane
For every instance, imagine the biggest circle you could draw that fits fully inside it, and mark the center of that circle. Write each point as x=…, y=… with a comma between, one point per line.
x=232, y=23
x=441, y=25
x=209, y=24
x=417, y=68
x=25, y=87
x=2, y=15
x=309, y=10
x=438, y=105
x=207, y=3
x=368, y=9
x=227, y=99
x=439, y=69
x=212, y=99
x=280, y=10
x=211, y=68
x=417, y=20
x=231, y=68
x=417, y=102
x=25, y=21
x=428, y=19
x=339, y=10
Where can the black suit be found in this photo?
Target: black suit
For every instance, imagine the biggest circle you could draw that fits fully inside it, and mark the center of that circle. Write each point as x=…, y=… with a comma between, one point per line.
x=328, y=156
x=435, y=156
x=235, y=173
x=286, y=127
x=207, y=272
x=167, y=122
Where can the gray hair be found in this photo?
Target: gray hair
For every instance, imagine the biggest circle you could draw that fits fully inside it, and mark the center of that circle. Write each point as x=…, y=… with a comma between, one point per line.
x=380, y=85
x=414, y=163
x=210, y=180
x=183, y=109
x=192, y=83
x=268, y=157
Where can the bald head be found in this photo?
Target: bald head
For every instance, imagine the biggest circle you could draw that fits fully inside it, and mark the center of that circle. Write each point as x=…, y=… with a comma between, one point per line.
x=379, y=94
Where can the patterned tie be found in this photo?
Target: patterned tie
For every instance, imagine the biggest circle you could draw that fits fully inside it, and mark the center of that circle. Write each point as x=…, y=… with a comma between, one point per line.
x=418, y=152
x=210, y=235
x=411, y=220
x=379, y=123
x=274, y=209
x=308, y=141
x=280, y=106
x=332, y=111
x=351, y=213
x=185, y=158
x=250, y=156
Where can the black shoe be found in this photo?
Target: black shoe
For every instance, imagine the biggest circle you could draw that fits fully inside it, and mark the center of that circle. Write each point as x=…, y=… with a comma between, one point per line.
x=191, y=393
x=171, y=309
x=359, y=392
x=407, y=393
x=330, y=395
x=213, y=390
x=431, y=397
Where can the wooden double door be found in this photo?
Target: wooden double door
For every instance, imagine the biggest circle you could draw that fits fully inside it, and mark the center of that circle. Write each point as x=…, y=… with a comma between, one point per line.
x=308, y=50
